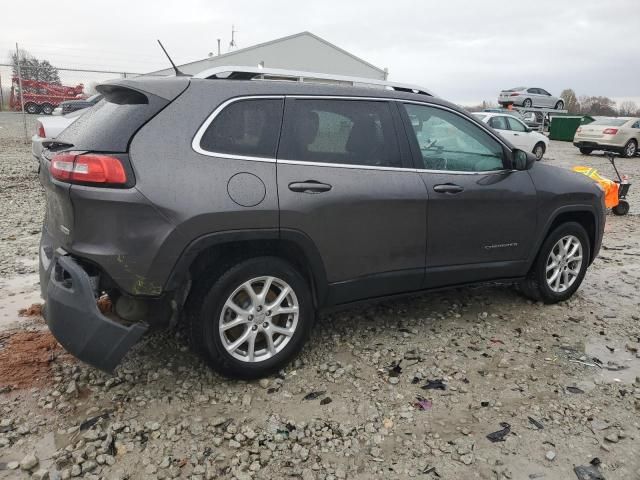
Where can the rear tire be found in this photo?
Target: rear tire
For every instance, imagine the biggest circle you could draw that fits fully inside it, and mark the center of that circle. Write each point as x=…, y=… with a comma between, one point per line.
x=621, y=209
x=527, y=103
x=586, y=151
x=630, y=149
x=210, y=312
x=32, y=108
x=540, y=284
x=559, y=105
x=47, y=108
x=539, y=150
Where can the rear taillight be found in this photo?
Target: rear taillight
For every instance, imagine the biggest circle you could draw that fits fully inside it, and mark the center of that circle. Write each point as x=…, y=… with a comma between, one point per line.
x=515, y=94
x=610, y=131
x=40, y=128
x=93, y=168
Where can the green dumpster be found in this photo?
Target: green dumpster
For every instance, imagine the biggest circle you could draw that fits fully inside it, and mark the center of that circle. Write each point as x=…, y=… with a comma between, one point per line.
x=564, y=128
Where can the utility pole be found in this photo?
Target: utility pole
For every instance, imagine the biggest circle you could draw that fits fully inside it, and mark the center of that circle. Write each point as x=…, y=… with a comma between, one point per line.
x=218, y=47
x=24, y=114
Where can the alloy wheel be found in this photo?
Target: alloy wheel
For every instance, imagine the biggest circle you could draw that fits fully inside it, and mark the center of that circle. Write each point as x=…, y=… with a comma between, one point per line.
x=538, y=152
x=259, y=319
x=564, y=263
x=630, y=150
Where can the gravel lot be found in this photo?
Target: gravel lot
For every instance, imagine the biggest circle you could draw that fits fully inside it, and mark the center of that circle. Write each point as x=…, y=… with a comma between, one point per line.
x=564, y=379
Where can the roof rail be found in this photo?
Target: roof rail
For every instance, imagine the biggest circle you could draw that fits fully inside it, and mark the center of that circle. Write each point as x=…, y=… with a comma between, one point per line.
x=258, y=73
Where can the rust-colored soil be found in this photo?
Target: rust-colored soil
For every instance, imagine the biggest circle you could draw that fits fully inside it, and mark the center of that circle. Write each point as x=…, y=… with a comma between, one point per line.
x=34, y=310
x=26, y=358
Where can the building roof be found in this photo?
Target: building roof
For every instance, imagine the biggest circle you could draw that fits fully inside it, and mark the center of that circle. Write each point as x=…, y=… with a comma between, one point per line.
x=229, y=56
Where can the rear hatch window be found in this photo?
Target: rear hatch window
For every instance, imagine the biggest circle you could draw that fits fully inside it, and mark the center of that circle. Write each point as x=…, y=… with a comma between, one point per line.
x=112, y=122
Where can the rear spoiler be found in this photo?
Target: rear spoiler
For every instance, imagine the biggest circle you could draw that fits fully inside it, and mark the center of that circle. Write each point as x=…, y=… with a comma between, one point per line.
x=134, y=91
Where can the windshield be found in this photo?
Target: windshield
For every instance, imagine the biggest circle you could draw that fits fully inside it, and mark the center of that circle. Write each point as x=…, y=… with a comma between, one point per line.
x=610, y=122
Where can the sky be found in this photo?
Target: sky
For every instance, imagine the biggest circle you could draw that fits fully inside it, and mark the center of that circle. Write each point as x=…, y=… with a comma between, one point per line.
x=464, y=51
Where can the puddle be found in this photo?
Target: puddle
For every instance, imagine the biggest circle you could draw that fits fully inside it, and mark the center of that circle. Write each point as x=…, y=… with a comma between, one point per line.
x=16, y=293
x=619, y=357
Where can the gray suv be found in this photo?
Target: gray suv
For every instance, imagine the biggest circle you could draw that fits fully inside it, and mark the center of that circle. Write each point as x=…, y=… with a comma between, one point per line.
x=242, y=206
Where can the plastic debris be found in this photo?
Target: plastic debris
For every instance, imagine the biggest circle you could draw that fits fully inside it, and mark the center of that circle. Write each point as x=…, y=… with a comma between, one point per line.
x=395, y=369
x=500, y=434
x=435, y=385
x=314, y=395
x=535, y=423
x=588, y=473
x=87, y=424
x=326, y=401
x=423, y=403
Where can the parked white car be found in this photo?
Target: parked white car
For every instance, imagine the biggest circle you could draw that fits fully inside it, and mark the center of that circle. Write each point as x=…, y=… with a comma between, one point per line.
x=49, y=127
x=516, y=132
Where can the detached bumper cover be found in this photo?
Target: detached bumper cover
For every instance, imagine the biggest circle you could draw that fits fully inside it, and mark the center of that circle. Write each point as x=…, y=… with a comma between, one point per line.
x=75, y=320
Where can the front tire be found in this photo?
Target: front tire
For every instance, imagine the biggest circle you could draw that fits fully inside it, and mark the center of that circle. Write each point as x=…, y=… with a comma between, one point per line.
x=560, y=266
x=630, y=149
x=586, y=151
x=539, y=150
x=245, y=331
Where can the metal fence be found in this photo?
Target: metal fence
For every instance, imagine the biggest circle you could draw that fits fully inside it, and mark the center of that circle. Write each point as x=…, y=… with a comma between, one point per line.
x=41, y=90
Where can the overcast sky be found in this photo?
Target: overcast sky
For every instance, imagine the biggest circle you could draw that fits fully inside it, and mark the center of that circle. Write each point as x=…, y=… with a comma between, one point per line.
x=465, y=51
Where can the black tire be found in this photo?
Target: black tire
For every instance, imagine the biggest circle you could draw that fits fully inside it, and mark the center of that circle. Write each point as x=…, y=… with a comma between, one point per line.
x=621, y=209
x=539, y=145
x=535, y=286
x=586, y=151
x=527, y=103
x=31, y=108
x=47, y=108
x=630, y=149
x=559, y=105
x=207, y=302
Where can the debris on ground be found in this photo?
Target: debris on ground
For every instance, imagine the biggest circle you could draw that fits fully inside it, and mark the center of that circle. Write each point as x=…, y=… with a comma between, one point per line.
x=314, y=395
x=35, y=310
x=535, y=423
x=574, y=390
x=499, y=435
x=326, y=401
x=588, y=472
x=104, y=304
x=422, y=403
x=26, y=357
x=435, y=385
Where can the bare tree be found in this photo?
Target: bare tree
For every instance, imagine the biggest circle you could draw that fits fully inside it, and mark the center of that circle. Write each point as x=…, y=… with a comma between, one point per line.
x=570, y=100
x=33, y=69
x=629, y=109
x=598, y=106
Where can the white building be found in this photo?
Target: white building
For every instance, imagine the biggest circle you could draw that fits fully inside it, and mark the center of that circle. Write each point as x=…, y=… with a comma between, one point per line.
x=303, y=51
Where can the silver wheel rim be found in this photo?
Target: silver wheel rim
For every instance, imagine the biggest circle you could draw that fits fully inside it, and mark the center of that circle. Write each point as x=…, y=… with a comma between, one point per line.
x=631, y=149
x=259, y=319
x=564, y=263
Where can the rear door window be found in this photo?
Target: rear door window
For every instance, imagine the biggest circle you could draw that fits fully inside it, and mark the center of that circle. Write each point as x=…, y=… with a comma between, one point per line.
x=515, y=125
x=349, y=132
x=499, y=123
x=246, y=128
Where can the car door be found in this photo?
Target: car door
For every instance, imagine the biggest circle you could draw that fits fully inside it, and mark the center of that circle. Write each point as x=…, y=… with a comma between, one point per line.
x=534, y=95
x=546, y=99
x=346, y=181
x=520, y=134
x=499, y=124
x=482, y=214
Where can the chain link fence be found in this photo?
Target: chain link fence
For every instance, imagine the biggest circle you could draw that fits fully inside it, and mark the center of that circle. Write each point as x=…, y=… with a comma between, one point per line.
x=38, y=90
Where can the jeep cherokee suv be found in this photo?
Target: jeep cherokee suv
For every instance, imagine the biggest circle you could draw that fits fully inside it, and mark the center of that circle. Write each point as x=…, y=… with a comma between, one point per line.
x=243, y=206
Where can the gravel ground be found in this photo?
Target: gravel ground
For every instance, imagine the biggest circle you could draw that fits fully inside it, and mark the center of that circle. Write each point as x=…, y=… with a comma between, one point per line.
x=405, y=389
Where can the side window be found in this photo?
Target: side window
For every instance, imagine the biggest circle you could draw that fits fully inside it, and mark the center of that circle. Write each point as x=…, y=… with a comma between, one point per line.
x=448, y=141
x=499, y=123
x=515, y=125
x=353, y=132
x=532, y=90
x=247, y=127
x=542, y=91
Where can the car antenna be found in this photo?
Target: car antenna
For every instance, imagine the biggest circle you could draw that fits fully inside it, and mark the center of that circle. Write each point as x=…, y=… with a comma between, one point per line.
x=177, y=70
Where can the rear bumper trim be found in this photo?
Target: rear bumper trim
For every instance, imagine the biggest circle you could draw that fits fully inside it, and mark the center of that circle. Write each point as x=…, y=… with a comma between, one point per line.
x=76, y=322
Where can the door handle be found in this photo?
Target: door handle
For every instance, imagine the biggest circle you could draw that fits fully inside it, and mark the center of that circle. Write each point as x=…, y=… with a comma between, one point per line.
x=309, y=186
x=448, y=188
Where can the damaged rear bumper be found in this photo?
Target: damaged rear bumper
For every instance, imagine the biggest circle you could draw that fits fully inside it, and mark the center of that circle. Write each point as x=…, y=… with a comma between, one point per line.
x=73, y=316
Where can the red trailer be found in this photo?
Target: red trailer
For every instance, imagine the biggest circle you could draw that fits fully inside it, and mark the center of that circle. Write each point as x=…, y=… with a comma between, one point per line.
x=41, y=96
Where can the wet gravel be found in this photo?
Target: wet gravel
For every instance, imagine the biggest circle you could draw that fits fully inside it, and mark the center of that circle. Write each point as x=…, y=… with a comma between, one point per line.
x=404, y=389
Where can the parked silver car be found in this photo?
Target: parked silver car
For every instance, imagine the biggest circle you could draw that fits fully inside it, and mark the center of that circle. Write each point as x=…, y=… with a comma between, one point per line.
x=530, y=97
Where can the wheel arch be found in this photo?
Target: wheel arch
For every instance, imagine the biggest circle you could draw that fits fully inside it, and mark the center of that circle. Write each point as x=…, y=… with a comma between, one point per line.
x=204, y=253
x=584, y=215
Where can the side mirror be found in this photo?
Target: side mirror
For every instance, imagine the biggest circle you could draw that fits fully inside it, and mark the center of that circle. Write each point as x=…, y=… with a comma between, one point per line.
x=522, y=160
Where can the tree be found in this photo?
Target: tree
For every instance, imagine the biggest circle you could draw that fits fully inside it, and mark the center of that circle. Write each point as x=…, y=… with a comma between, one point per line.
x=33, y=69
x=629, y=109
x=570, y=100
x=598, y=106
